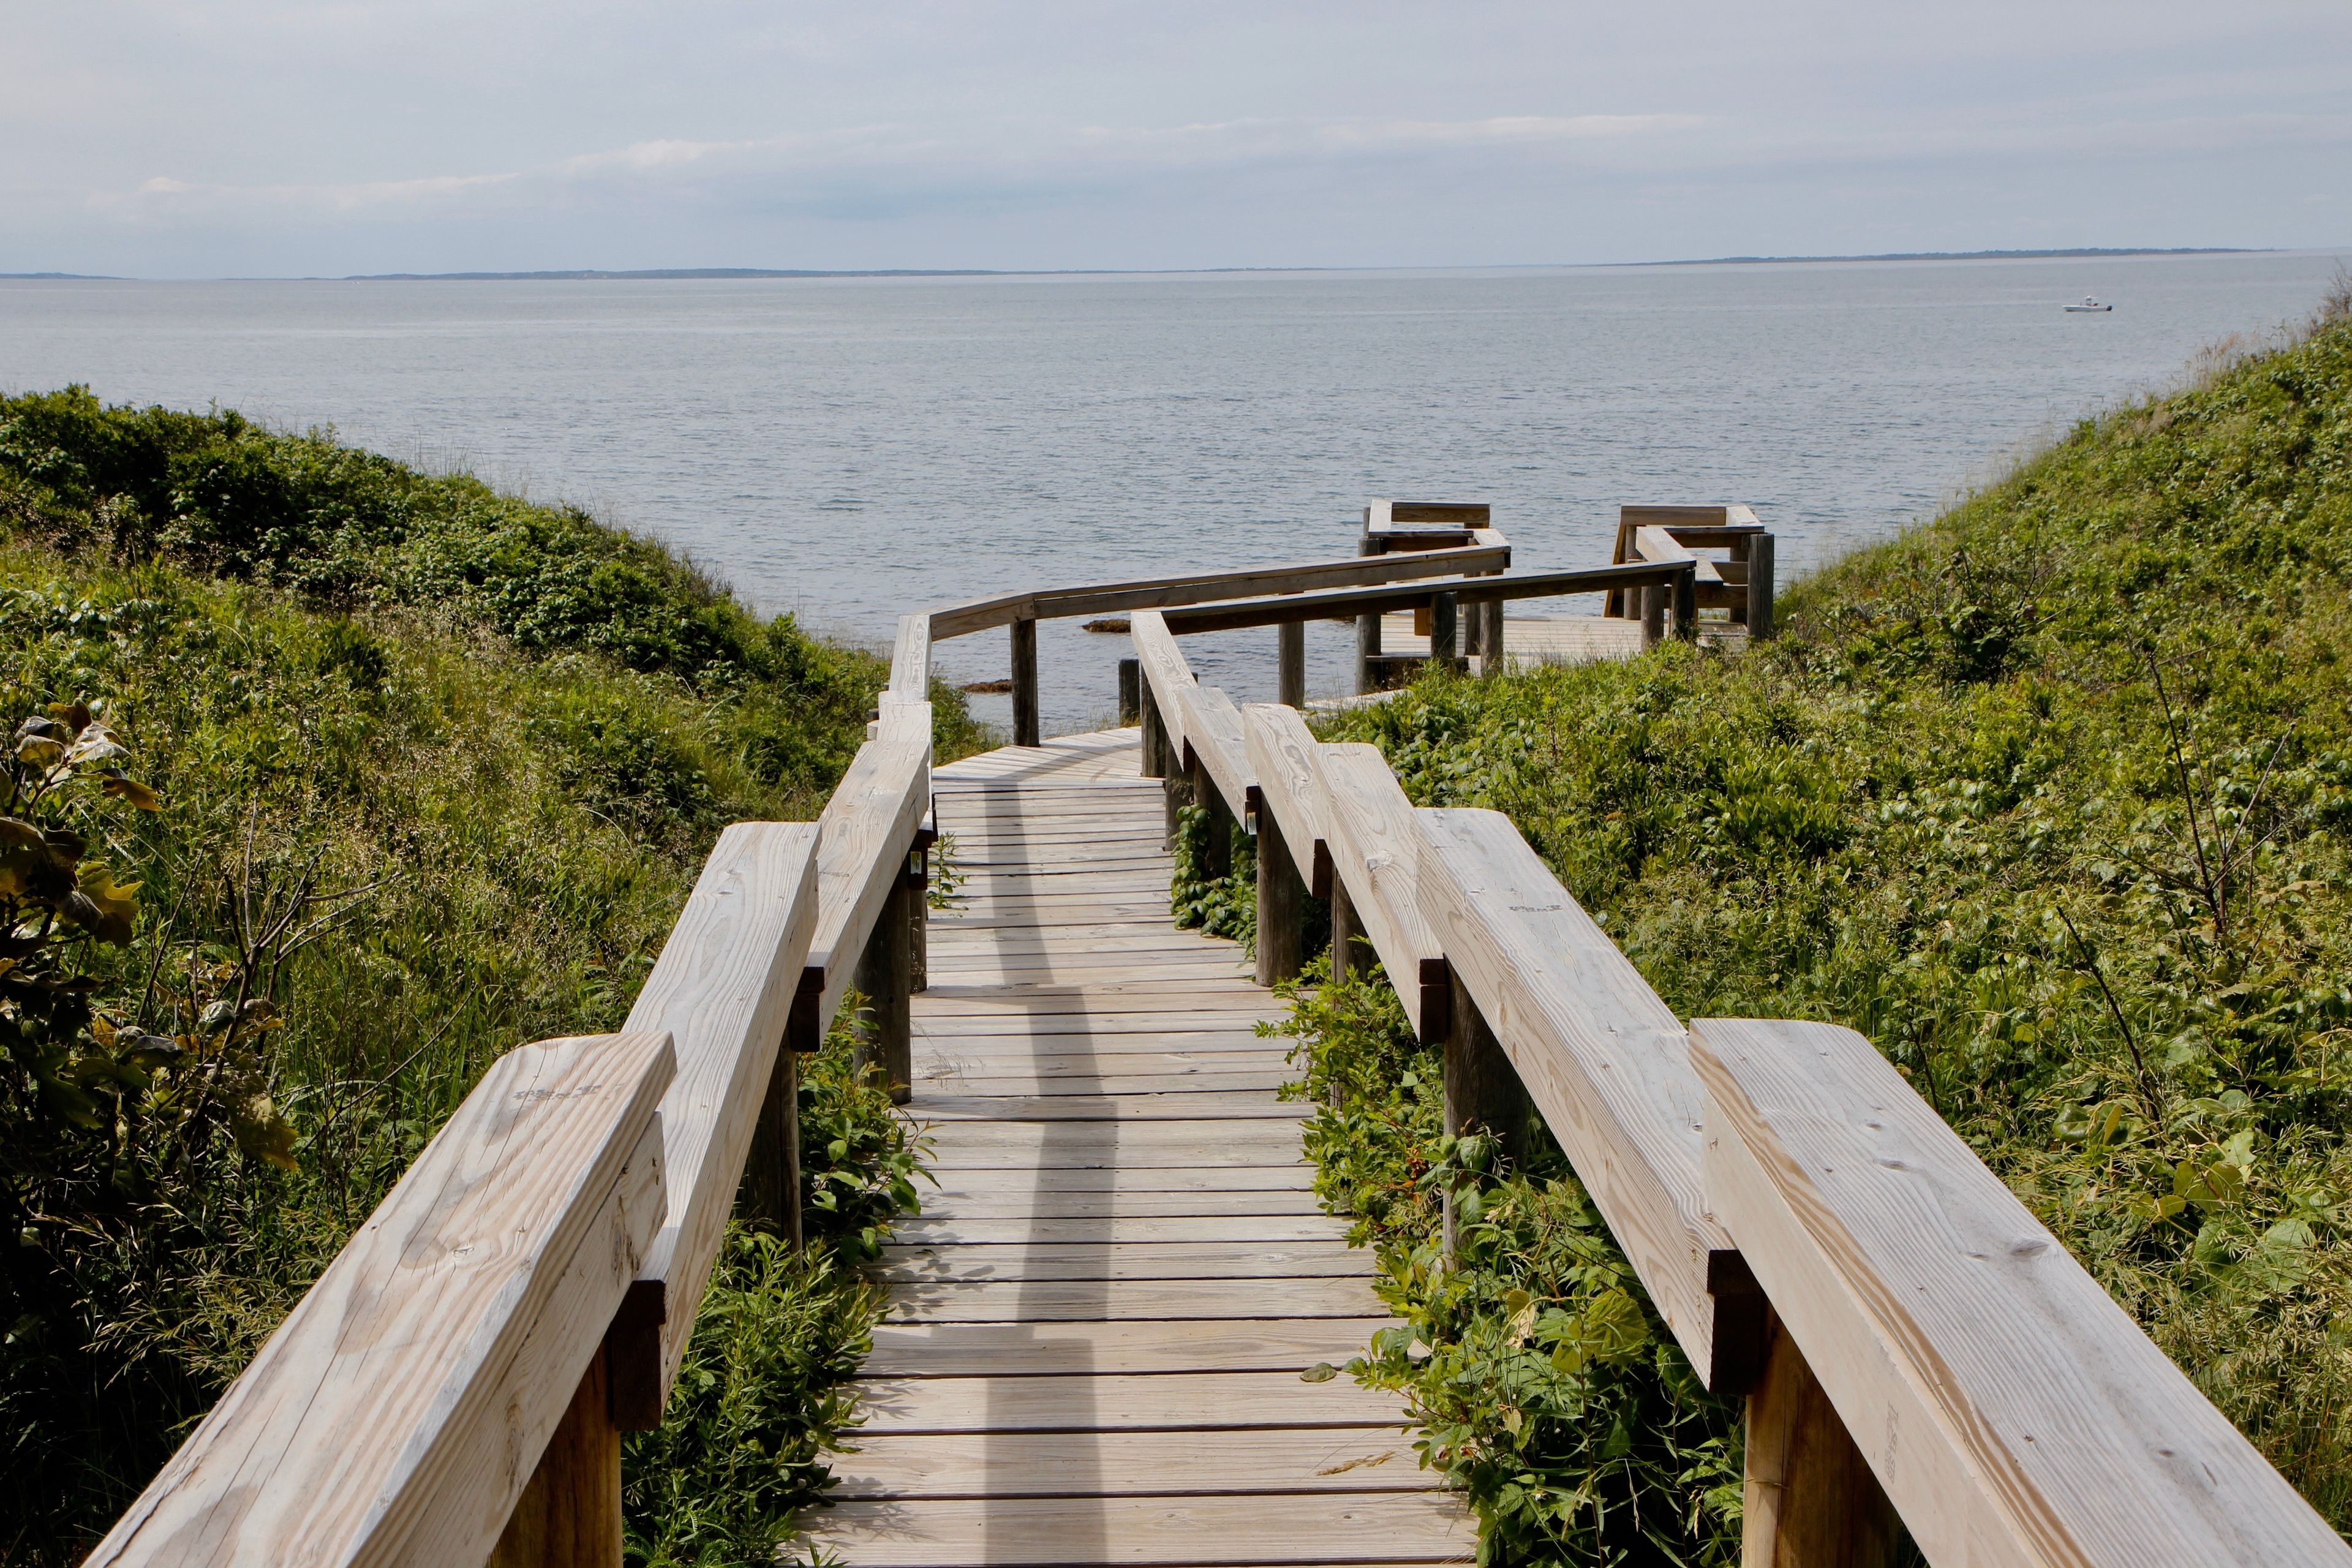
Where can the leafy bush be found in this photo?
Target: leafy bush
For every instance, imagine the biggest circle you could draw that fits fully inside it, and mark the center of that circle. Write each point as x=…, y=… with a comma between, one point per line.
x=429, y=787
x=2049, y=799
x=1547, y=1389
x=1222, y=906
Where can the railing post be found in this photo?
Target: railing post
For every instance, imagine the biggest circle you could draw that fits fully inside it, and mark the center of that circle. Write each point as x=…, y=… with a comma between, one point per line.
x=1024, y=682
x=1482, y=1089
x=1290, y=664
x=1155, y=733
x=771, y=1190
x=1175, y=794
x=1352, y=952
x=1444, y=630
x=1281, y=904
x=1759, y=586
x=886, y=1041
x=1368, y=628
x=1217, y=855
x=1492, y=654
x=1812, y=1500
x=568, y=1516
x=1130, y=678
x=919, y=920
x=1687, y=603
x=1654, y=614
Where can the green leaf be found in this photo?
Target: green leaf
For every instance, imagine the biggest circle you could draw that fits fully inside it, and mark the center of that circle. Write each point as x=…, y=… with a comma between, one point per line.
x=1321, y=1371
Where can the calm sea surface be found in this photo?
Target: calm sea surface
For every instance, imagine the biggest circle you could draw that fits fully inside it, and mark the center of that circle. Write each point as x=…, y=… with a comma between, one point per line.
x=850, y=449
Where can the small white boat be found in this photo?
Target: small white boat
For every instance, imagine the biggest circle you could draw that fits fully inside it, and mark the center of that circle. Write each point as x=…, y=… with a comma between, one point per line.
x=2090, y=302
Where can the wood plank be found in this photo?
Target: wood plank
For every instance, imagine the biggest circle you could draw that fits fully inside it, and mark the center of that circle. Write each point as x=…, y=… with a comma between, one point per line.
x=1015, y=1203
x=1198, y=1402
x=1213, y=734
x=1361, y=1528
x=1113, y=1464
x=2012, y=1410
x=1283, y=754
x=1296, y=1175
x=910, y=660
x=1199, y=587
x=1375, y=852
x=1345, y=603
x=970, y=1263
x=1189, y=1104
x=1089, y=1300
x=1172, y=1227
x=1657, y=544
x=722, y=989
x=1605, y=1060
x=946, y=1079
x=1165, y=671
x=388, y=1417
x=866, y=830
x=1102, y=1348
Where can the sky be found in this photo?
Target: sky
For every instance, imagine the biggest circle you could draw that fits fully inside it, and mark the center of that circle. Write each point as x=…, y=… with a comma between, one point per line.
x=267, y=138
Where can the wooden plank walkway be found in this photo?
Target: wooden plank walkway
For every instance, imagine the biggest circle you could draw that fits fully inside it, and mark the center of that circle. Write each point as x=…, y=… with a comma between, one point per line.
x=1098, y=1325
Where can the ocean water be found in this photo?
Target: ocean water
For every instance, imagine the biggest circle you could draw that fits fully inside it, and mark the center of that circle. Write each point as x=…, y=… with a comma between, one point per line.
x=847, y=449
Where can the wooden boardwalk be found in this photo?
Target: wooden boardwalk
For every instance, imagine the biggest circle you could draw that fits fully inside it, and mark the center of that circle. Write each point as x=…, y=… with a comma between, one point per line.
x=1098, y=1325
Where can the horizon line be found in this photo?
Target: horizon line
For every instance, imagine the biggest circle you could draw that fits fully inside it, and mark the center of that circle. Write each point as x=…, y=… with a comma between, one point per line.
x=663, y=274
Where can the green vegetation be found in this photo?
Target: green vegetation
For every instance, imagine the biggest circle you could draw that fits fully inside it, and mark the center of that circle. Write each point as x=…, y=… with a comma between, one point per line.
x=432, y=770
x=2052, y=799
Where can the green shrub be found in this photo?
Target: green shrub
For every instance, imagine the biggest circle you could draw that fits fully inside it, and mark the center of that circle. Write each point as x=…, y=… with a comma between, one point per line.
x=1547, y=1388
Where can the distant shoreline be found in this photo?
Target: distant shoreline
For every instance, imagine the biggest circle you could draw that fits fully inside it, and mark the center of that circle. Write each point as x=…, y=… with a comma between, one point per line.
x=2090, y=251
x=666, y=274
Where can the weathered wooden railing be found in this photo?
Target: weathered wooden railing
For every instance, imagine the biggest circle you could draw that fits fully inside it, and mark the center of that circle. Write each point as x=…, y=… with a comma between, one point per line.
x=452, y=1389
x=1909, y=1340
x=1741, y=585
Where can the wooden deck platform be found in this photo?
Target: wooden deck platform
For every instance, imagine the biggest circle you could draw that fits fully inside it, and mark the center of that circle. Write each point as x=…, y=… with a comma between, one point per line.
x=1532, y=640
x=1098, y=1324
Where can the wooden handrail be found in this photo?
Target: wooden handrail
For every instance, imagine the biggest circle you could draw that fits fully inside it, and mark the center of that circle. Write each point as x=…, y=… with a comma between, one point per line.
x=2010, y=1409
x=1199, y=587
x=383, y=1421
x=1348, y=602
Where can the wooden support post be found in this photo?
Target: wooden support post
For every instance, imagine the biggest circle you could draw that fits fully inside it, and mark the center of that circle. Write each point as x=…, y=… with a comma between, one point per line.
x=1444, y=630
x=1131, y=679
x=568, y=1516
x=1653, y=616
x=886, y=1038
x=1367, y=630
x=771, y=1190
x=1812, y=1502
x=1155, y=734
x=1492, y=657
x=1759, y=586
x=1024, y=682
x=1281, y=904
x=1175, y=794
x=1482, y=1089
x=1351, y=951
x=918, y=922
x=1217, y=855
x=1290, y=664
x=1686, y=604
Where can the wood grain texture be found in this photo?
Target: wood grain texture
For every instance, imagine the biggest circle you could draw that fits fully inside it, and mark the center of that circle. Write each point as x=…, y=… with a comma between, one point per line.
x=2013, y=1413
x=722, y=990
x=1604, y=1059
x=910, y=660
x=1252, y=1257
x=1373, y=1527
x=865, y=832
x=1016, y=1350
x=1116, y=1401
x=398, y=1411
x=1282, y=755
x=1213, y=734
x=1112, y=1464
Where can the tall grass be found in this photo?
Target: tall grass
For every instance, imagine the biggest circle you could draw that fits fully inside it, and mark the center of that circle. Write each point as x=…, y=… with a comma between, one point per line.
x=486, y=743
